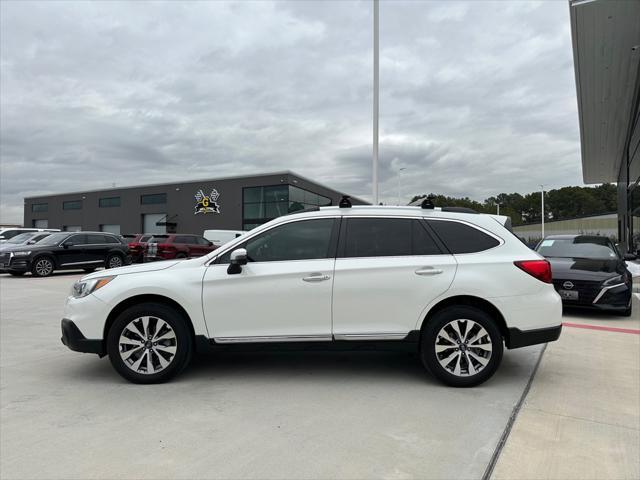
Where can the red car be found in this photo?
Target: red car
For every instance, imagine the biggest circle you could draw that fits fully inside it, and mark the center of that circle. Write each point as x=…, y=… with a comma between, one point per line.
x=137, y=244
x=175, y=245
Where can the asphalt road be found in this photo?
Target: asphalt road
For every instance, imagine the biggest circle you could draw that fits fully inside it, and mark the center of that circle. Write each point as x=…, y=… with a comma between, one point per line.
x=286, y=415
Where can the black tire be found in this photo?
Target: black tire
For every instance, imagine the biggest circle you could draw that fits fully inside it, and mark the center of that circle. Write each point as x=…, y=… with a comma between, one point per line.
x=627, y=312
x=430, y=358
x=17, y=274
x=89, y=270
x=42, y=266
x=114, y=261
x=183, y=343
x=181, y=255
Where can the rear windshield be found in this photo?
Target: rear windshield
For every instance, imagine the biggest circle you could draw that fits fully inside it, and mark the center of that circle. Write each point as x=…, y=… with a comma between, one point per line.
x=592, y=248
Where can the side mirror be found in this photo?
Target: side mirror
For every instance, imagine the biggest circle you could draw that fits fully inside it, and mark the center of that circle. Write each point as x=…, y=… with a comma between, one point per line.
x=210, y=244
x=66, y=245
x=237, y=259
x=630, y=256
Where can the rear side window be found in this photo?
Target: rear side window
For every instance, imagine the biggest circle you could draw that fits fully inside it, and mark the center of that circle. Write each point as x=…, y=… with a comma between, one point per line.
x=185, y=239
x=387, y=237
x=462, y=238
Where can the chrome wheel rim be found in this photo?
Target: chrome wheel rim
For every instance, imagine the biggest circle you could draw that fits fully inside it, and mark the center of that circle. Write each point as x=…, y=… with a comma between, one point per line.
x=115, y=262
x=463, y=348
x=44, y=267
x=147, y=345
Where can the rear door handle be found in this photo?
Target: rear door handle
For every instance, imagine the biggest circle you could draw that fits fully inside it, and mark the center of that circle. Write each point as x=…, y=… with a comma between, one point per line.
x=425, y=271
x=316, y=277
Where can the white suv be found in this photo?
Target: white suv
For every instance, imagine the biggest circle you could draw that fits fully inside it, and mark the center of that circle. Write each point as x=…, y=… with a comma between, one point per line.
x=452, y=286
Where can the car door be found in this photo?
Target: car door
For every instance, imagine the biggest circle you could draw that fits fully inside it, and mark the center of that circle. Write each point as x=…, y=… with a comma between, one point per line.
x=387, y=271
x=283, y=293
x=71, y=251
x=96, y=249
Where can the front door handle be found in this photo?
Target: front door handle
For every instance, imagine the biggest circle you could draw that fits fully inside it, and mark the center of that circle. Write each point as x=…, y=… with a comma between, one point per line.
x=425, y=271
x=316, y=277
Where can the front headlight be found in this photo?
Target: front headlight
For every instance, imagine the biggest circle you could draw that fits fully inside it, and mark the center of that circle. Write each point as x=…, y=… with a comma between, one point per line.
x=21, y=254
x=613, y=281
x=82, y=288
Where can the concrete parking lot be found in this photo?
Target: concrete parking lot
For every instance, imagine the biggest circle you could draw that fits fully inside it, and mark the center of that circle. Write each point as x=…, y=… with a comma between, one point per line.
x=288, y=415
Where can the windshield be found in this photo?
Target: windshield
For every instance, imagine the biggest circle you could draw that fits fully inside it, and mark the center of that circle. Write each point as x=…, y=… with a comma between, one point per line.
x=22, y=238
x=592, y=248
x=53, y=239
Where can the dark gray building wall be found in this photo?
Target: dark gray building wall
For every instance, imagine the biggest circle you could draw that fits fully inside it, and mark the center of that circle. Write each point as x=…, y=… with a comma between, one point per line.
x=180, y=206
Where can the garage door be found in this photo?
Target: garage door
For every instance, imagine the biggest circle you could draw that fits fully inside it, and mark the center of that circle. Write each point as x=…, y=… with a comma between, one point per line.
x=110, y=228
x=149, y=223
x=41, y=223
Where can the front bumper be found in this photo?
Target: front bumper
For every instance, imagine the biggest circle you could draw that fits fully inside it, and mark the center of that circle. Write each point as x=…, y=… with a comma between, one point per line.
x=517, y=338
x=73, y=338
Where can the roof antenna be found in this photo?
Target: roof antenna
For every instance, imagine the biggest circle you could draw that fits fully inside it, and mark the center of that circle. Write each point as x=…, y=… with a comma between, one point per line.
x=345, y=202
x=427, y=203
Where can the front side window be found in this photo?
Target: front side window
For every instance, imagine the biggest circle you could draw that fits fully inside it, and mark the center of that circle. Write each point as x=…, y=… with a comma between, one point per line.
x=76, y=240
x=462, y=238
x=387, y=237
x=303, y=240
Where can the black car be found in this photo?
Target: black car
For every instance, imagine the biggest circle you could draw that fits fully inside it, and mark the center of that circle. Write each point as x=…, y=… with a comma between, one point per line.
x=589, y=271
x=66, y=251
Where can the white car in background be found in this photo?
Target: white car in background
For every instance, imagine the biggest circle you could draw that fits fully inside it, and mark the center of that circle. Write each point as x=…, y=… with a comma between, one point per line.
x=220, y=237
x=452, y=286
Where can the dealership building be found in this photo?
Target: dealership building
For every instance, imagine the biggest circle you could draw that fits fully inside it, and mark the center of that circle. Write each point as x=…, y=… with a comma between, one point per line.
x=606, y=54
x=230, y=203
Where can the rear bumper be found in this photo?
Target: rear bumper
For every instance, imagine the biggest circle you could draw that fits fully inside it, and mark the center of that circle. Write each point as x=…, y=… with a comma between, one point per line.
x=517, y=338
x=73, y=338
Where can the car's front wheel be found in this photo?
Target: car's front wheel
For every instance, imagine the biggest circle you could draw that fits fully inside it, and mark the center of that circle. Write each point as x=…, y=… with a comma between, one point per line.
x=42, y=267
x=461, y=346
x=149, y=343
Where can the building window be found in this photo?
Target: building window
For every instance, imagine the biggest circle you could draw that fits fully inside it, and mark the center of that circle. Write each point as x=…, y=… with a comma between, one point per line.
x=40, y=223
x=153, y=199
x=40, y=207
x=109, y=202
x=72, y=205
x=261, y=204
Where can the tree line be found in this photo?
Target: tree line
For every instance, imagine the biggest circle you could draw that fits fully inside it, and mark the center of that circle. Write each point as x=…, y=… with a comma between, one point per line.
x=559, y=204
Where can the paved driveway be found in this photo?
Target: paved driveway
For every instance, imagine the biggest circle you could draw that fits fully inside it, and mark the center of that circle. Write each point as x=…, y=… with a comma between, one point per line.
x=286, y=415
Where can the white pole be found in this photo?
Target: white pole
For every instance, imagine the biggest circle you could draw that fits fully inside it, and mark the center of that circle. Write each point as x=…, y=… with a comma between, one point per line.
x=376, y=88
x=399, y=190
x=498, y=205
x=542, y=198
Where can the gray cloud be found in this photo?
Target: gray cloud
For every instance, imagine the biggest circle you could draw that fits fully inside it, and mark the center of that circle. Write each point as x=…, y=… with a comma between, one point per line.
x=477, y=98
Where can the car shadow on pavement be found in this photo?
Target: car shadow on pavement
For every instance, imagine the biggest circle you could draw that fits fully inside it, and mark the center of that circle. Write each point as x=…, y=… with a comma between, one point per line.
x=310, y=367
x=573, y=313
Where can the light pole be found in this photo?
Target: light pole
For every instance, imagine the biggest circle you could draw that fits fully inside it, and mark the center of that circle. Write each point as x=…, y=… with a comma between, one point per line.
x=376, y=88
x=399, y=191
x=542, y=201
x=498, y=207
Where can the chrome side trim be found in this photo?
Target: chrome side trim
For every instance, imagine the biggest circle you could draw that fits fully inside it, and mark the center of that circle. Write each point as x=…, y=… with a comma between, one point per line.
x=275, y=338
x=605, y=290
x=81, y=263
x=370, y=336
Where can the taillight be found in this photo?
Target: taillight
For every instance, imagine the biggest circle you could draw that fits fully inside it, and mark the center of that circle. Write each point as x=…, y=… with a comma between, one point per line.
x=540, y=269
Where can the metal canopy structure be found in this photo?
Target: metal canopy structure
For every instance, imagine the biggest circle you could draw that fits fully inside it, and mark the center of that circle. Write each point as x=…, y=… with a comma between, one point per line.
x=606, y=52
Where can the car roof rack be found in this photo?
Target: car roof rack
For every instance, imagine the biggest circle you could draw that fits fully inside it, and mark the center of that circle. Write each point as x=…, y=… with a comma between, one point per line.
x=305, y=210
x=345, y=202
x=459, y=210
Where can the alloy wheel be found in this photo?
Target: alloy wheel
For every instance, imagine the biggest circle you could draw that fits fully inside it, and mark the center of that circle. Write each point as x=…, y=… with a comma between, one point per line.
x=115, y=262
x=147, y=345
x=463, y=347
x=44, y=267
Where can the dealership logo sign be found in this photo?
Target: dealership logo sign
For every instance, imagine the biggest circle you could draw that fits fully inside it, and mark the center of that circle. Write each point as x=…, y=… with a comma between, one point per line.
x=207, y=203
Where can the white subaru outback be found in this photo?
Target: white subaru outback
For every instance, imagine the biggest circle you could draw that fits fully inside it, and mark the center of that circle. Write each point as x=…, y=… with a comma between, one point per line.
x=452, y=286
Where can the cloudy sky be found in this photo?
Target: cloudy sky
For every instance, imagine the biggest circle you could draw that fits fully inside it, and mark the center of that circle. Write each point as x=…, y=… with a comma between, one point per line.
x=476, y=98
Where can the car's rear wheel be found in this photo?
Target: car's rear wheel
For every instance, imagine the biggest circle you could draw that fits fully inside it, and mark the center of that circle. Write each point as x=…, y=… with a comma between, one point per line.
x=461, y=346
x=114, y=261
x=42, y=267
x=181, y=255
x=149, y=343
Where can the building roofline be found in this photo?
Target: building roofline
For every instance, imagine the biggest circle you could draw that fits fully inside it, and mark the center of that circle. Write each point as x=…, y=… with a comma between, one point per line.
x=195, y=180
